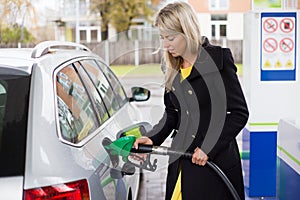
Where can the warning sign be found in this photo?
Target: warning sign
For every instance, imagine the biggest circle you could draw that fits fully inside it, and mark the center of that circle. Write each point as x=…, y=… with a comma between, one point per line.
x=267, y=64
x=286, y=45
x=278, y=64
x=289, y=64
x=278, y=46
x=287, y=25
x=270, y=45
x=270, y=25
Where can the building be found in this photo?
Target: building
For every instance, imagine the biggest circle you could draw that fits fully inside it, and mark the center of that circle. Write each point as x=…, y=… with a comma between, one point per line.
x=220, y=19
x=75, y=22
x=223, y=19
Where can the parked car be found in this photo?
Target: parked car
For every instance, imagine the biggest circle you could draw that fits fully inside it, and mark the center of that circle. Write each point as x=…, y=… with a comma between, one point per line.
x=58, y=101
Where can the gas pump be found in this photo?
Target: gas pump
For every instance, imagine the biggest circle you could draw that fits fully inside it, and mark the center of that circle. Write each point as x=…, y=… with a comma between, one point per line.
x=271, y=84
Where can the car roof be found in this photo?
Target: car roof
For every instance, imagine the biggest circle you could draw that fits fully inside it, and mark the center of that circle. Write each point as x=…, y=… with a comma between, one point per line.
x=24, y=58
x=16, y=58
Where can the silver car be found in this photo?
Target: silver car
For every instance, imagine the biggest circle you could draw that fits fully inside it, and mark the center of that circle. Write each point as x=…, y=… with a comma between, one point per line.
x=58, y=101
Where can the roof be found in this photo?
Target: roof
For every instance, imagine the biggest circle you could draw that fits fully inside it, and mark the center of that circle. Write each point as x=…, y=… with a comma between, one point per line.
x=16, y=58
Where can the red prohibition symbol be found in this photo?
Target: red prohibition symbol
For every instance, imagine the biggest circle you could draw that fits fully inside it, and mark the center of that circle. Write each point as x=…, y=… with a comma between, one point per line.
x=287, y=25
x=270, y=45
x=286, y=45
x=270, y=25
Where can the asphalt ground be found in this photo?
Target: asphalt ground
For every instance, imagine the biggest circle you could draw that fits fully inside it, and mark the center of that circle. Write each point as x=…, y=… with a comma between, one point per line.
x=152, y=185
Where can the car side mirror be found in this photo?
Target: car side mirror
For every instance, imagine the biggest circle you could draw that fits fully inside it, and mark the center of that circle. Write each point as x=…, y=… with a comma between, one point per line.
x=139, y=94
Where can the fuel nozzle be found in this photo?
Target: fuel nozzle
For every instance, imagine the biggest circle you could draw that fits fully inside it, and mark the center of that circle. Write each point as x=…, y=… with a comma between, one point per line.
x=124, y=147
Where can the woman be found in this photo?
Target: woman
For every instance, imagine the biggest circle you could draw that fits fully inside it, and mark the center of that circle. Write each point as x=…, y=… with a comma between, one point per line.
x=205, y=109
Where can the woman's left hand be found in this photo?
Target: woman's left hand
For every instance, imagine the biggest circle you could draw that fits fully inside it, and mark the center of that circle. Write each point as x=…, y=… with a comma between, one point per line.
x=199, y=157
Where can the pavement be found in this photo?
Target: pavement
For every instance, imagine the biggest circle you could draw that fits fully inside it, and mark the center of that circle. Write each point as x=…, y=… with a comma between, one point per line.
x=153, y=184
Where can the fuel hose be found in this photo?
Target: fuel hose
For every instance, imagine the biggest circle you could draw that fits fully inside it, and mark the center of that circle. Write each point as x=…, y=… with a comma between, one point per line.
x=159, y=150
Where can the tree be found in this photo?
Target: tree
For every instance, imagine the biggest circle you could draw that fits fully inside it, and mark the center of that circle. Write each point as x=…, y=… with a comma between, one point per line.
x=125, y=11
x=14, y=14
x=13, y=35
x=103, y=7
x=120, y=13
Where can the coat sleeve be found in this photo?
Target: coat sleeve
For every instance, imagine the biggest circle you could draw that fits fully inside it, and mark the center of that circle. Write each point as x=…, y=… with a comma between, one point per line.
x=166, y=124
x=237, y=110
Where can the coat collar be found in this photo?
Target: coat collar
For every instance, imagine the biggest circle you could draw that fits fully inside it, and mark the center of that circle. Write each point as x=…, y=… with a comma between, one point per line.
x=210, y=59
x=211, y=53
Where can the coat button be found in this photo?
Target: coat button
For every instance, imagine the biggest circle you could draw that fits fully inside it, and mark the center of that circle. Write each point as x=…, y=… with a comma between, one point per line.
x=193, y=136
x=187, y=112
x=190, y=92
x=173, y=88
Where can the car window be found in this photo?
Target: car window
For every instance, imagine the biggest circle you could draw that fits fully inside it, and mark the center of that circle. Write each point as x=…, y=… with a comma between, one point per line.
x=99, y=105
x=77, y=117
x=14, y=97
x=3, y=96
x=114, y=82
x=104, y=86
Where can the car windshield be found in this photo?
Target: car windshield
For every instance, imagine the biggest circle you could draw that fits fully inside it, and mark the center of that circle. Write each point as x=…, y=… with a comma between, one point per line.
x=14, y=95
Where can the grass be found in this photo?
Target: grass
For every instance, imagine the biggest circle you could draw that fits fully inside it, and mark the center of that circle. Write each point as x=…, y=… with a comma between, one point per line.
x=149, y=70
x=146, y=70
x=239, y=69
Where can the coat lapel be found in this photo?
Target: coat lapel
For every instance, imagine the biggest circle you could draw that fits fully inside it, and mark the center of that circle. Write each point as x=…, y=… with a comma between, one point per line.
x=210, y=59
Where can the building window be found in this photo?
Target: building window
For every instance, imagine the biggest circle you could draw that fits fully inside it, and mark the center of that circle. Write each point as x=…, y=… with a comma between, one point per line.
x=94, y=35
x=218, y=26
x=90, y=34
x=222, y=17
x=83, y=35
x=218, y=4
x=213, y=30
x=223, y=30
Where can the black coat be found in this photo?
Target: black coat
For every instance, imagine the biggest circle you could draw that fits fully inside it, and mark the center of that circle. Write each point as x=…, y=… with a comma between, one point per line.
x=206, y=110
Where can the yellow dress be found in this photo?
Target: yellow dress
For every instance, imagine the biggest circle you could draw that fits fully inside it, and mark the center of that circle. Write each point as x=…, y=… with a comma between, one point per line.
x=185, y=72
x=177, y=191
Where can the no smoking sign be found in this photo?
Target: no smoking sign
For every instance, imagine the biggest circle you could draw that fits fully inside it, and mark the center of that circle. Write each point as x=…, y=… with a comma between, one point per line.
x=270, y=25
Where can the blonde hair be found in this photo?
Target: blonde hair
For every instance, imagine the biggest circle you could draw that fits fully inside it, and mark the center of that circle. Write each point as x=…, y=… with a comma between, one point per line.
x=178, y=18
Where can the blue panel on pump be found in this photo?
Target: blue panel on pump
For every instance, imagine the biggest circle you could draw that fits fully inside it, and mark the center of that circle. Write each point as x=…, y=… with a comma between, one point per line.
x=260, y=169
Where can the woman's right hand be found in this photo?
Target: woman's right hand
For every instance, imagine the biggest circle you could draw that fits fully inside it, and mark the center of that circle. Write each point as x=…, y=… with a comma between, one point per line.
x=142, y=140
x=141, y=157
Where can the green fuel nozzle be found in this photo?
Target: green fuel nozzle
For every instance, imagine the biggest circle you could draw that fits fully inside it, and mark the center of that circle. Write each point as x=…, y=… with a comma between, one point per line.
x=121, y=147
x=124, y=147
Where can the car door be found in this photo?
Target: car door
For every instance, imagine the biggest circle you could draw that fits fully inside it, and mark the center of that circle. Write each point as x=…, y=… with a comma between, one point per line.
x=121, y=114
x=86, y=102
x=81, y=113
